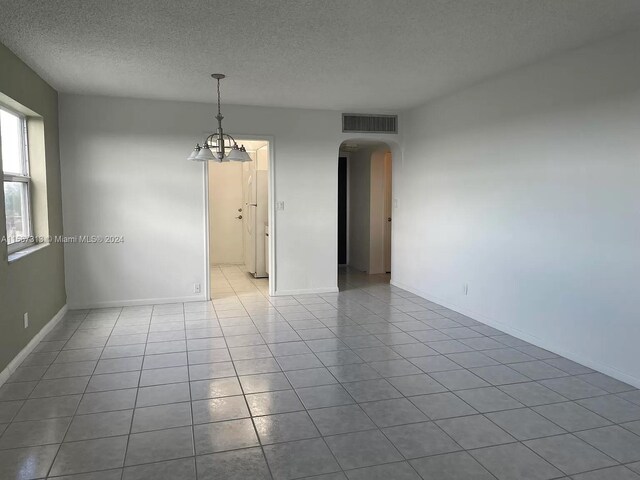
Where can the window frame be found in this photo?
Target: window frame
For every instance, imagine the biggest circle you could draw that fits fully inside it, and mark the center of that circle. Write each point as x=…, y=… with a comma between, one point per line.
x=23, y=177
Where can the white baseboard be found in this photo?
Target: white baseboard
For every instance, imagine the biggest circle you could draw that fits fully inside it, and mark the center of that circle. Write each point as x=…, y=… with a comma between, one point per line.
x=18, y=359
x=538, y=342
x=305, y=291
x=137, y=302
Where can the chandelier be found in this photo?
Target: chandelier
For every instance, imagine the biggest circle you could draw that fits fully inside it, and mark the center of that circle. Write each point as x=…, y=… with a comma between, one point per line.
x=216, y=144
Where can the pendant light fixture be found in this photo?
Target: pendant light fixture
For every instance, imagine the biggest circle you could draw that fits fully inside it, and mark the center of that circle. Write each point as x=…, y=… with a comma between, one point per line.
x=216, y=144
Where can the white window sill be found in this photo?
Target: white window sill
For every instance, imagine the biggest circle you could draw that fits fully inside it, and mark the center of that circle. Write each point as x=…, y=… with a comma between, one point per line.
x=15, y=256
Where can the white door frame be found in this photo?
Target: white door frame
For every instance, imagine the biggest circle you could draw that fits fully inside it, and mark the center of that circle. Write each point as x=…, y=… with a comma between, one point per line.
x=272, y=215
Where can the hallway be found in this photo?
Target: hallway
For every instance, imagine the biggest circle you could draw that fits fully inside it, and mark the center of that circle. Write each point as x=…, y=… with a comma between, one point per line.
x=373, y=382
x=350, y=279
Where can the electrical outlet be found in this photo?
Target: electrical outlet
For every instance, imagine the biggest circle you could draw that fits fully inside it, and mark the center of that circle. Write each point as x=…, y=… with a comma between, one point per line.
x=26, y=320
x=196, y=288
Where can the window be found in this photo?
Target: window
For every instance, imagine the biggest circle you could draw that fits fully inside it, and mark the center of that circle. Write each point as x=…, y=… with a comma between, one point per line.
x=17, y=182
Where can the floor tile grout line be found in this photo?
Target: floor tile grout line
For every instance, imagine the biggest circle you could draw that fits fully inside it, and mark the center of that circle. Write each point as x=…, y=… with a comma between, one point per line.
x=541, y=457
x=78, y=406
x=25, y=400
x=386, y=463
x=381, y=430
x=463, y=368
x=192, y=426
x=571, y=434
x=60, y=351
x=255, y=429
x=299, y=400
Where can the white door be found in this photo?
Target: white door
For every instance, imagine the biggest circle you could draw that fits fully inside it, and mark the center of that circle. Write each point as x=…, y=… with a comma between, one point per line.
x=388, y=209
x=249, y=190
x=226, y=210
x=261, y=213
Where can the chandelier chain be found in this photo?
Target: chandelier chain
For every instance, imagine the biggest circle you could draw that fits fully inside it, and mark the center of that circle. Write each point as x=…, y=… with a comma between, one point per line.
x=219, y=97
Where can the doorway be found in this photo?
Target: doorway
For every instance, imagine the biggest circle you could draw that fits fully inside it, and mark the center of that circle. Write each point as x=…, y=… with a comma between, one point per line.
x=365, y=200
x=239, y=227
x=343, y=188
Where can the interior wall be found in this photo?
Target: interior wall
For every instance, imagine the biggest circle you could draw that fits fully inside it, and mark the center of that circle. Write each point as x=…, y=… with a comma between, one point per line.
x=262, y=158
x=34, y=283
x=527, y=188
x=125, y=172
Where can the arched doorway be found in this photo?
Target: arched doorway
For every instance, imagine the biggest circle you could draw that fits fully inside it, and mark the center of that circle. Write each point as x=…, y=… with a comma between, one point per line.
x=365, y=206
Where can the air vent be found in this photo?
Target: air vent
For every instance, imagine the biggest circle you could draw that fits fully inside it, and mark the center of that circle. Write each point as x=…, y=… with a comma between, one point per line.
x=359, y=123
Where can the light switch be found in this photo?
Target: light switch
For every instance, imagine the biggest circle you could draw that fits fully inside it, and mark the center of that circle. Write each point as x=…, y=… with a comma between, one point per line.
x=279, y=205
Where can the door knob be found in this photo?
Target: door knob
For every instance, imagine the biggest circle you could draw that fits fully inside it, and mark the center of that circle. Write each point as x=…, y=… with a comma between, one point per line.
x=239, y=217
x=389, y=219
x=239, y=209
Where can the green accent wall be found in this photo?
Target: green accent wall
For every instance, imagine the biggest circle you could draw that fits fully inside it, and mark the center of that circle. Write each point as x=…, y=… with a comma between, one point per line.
x=34, y=283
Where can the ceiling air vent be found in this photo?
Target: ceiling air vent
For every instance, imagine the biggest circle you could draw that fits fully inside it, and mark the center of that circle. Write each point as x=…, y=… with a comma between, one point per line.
x=360, y=123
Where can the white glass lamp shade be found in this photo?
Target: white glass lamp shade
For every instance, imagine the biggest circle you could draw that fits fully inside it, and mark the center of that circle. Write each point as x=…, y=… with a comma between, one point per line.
x=193, y=155
x=245, y=155
x=235, y=155
x=204, y=154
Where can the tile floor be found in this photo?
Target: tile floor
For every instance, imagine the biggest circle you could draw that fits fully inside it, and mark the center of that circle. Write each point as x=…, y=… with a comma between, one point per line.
x=371, y=383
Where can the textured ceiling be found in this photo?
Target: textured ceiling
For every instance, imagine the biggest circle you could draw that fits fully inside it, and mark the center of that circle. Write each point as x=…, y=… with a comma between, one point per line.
x=352, y=55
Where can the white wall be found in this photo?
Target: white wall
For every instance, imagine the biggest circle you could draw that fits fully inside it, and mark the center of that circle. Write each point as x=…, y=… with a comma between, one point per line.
x=124, y=172
x=527, y=188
